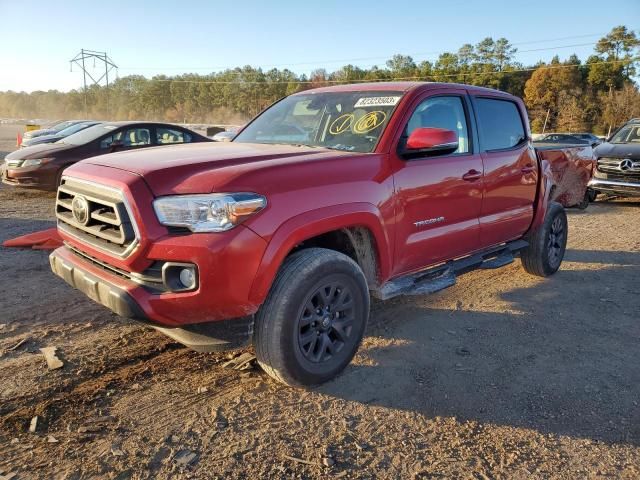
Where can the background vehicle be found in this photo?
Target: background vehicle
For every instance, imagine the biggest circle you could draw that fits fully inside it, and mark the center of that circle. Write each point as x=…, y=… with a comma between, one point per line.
x=41, y=166
x=562, y=138
x=225, y=136
x=328, y=196
x=57, y=136
x=593, y=140
x=52, y=130
x=618, y=162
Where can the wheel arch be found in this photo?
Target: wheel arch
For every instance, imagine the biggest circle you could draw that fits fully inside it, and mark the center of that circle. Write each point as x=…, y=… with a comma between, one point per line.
x=353, y=229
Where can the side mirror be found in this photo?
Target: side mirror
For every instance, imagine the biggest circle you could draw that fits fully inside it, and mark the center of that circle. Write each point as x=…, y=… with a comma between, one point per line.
x=116, y=145
x=427, y=141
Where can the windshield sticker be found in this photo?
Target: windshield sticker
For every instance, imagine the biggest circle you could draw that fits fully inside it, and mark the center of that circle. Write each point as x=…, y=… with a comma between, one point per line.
x=341, y=124
x=364, y=124
x=376, y=102
x=370, y=121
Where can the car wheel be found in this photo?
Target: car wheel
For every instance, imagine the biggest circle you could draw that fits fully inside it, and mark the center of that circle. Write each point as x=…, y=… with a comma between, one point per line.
x=593, y=194
x=585, y=201
x=312, y=322
x=58, y=178
x=547, y=243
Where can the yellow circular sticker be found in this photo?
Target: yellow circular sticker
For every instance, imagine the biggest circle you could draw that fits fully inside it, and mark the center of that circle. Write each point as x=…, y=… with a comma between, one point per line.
x=370, y=121
x=341, y=124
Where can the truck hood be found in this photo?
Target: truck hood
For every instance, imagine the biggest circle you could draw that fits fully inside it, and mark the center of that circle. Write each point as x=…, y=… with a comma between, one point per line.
x=207, y=167
x=619, y=150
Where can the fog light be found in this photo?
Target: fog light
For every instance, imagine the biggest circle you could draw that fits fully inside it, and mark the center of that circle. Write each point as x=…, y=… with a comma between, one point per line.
x=188, y=278
x=180, y=277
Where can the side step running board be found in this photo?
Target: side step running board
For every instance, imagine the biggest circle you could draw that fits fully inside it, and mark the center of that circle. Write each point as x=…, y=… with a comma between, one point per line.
x=443, y=276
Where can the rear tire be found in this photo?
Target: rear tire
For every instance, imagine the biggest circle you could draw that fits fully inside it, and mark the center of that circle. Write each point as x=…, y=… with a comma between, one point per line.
x=547, y=243
x=312, y=322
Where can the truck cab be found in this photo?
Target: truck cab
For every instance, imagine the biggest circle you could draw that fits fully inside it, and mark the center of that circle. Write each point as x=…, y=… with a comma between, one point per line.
x=331, y=195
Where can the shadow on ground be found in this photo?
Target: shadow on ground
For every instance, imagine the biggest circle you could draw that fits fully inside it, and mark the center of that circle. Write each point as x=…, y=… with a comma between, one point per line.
x=13, y=227
x=566, y=363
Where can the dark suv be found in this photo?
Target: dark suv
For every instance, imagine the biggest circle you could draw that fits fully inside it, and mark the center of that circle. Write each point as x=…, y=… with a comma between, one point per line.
x=618, y=168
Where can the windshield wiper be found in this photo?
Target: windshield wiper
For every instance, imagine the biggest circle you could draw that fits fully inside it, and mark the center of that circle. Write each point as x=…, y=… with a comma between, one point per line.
x=342, y=148
x=306, y=145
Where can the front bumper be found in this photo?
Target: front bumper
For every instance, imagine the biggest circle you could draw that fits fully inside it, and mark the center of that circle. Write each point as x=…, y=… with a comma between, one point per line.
x=40, y=177
x=112, y=295
x=616, y=187
x=226, y=263
x=123, y=297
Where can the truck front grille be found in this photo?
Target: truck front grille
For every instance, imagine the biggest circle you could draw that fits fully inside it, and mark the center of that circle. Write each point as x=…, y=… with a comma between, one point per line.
x=620, y=166
x=96, y=215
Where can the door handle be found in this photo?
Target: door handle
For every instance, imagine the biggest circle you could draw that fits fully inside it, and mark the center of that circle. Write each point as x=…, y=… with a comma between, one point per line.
x=472, y=175
x=528, y=169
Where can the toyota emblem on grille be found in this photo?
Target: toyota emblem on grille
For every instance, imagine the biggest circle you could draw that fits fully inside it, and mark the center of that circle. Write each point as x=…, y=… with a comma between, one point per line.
x=626, y=164
x=80, y=209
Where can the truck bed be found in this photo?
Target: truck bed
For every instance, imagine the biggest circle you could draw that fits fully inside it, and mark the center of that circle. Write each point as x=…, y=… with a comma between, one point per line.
x=571, y=167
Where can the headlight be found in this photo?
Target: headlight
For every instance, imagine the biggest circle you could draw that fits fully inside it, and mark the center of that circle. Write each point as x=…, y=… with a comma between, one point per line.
x=216, y=212
x=34, y=162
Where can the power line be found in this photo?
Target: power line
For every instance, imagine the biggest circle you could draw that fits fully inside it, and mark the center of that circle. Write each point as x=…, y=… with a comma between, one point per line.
x=359, y=59
x=572, y=37
x=415, y=78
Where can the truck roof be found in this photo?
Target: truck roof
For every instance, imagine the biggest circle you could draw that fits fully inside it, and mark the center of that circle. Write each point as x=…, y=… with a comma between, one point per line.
x=399, y=86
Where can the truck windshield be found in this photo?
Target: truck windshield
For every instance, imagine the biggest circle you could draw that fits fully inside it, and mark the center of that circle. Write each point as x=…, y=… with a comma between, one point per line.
x=351, y=121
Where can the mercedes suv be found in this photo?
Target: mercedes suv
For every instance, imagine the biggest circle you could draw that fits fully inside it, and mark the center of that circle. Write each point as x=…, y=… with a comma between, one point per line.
x=618, y=167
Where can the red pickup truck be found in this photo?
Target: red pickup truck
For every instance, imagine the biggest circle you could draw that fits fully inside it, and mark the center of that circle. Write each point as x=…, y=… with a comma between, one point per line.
x=330, y=195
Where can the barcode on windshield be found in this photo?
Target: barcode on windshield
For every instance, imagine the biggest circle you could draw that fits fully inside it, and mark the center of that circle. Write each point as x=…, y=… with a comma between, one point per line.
x=376, y=102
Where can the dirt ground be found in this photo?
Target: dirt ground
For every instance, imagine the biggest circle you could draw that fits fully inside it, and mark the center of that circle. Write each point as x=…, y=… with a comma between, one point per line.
x=502, y=376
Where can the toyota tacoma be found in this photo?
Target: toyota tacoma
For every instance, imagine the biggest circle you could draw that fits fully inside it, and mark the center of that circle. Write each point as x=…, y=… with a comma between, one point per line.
x=280, y=237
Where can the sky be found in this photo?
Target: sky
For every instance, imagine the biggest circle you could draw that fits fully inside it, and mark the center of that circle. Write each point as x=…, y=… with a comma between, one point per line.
x=37, y=38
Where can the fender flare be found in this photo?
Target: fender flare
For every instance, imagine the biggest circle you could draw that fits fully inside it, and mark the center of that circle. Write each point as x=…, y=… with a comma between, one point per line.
x=314, y=223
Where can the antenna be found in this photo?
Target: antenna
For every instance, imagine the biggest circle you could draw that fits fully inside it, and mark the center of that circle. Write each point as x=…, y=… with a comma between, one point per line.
x=79, y=60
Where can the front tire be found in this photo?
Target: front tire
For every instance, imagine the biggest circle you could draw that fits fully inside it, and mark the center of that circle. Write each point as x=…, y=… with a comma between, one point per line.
x=58, y=179
x=313, y=319
x=547, y=243
x=585, y=201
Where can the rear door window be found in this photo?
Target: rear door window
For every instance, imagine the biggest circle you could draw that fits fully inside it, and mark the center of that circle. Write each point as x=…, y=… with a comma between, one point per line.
x=171, y=135
x=499, y=124
x=136, y=137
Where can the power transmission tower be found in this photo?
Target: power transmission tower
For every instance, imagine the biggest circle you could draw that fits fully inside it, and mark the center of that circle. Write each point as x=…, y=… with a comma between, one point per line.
x=79, y=60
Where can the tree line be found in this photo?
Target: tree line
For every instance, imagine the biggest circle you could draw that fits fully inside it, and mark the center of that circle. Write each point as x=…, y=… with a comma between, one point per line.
x=569, y=95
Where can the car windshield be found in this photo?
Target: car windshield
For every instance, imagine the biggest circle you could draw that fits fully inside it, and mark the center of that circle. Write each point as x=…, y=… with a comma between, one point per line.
x=73, y=129
x=87, y=135
x=627, y=134
x=351, y=121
